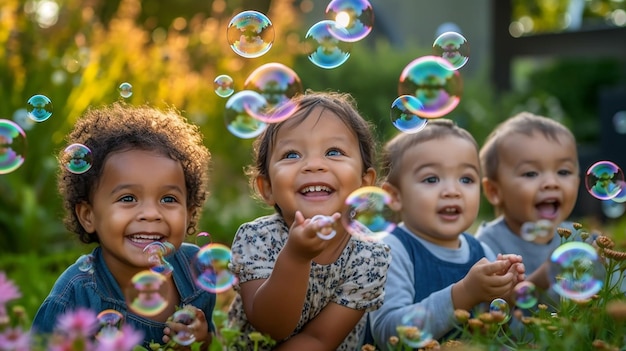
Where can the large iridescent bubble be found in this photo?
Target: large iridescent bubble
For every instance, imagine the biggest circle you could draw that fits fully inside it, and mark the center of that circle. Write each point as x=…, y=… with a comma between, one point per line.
x=210, y=268
x=576, y=270
x=367, y=215
x=434, y=82
x=404, y=116
x=355, y=16
x=323, y=48
x=603, y=180
x=250, y=34
x=12, y=146
x=277, y=83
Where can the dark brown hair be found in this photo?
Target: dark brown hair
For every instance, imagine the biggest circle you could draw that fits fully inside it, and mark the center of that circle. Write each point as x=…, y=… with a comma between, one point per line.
x=119, y=127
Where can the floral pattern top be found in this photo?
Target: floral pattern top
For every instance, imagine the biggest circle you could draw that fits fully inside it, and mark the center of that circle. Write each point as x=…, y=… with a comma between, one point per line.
x=355, y=280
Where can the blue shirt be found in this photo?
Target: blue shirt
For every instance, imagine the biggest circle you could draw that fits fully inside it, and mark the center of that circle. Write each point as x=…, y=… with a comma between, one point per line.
x=96, y=289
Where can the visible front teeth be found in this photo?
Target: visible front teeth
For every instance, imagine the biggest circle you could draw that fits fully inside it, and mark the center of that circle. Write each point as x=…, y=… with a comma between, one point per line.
x=450, y=210
x=144, y=237
x=313, y=188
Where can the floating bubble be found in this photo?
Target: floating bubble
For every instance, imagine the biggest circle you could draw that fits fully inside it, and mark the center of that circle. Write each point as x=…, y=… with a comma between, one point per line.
x=612, y=209
x=403, y=115
x=184, y=337
x=20, y=116
x=526, y=295
x=211, y=268
x=110, y=322
x=237, y=114
x=250, y=34
x=354, y=18
x=603, y=180
x=453, y=48
x=619, y=122
x=576, y=270
x=500, y=306
x=533, y=230
x=156, y=252
x=621, y=195
x=39, y=108
x=223, y=85
x=323, y=48
x=12, y=146
x=77, y=158
x=277, y=83
x=414, y=329
x=126, y=90
x=438, y=88
x=324, y=222
x=202, y=239
x=85, y=263
x=367, y=214
x=147, y=295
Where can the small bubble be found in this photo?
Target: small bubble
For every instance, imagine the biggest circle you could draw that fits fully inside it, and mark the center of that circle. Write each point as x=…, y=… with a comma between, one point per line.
x=12, y=146
x=110, y=322
x=77, y=158
x=502, y=307
x=126, y=90
x=353, y=18
x=453, y=48
x=603, y=180
x=403, y=115
x=210, y=268
x=183, y=337
x=39, y=108
x=147, y=294
x=323, y=48
x=223, y=85
x=525, y=294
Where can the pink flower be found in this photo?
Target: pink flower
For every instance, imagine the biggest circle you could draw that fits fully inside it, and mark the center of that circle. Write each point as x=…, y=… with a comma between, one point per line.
x=14, y=339
x=81, y=323
x=125, y=340
x=8, y=292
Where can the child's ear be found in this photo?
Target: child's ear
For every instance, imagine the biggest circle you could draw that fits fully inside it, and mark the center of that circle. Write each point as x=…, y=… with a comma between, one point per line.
x=396, y=202
x=264, y=187
x=491, y=191
x=369, y=177
x=84, y=212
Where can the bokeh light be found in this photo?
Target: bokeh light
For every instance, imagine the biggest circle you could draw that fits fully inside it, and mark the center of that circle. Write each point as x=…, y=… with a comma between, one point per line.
x=250, y=34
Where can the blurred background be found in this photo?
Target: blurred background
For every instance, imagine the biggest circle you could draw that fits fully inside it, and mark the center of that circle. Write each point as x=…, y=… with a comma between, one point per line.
x=565, y=59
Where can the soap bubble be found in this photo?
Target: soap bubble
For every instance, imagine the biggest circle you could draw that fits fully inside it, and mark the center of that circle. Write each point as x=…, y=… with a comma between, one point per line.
x=250, y=34
x=110, y=322
x=576, y=271
x=12, y=146
x=39, y=108
x=211, y=268
x=184, y=337
x=148, y=294
x=403, y=115
x=367, y=214
x=603, y=180
x=526, y=295
x=414, y=329
x=77, y=158
x=501, y=307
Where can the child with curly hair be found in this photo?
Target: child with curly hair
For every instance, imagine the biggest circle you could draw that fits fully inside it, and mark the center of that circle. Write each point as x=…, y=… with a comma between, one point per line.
x=147, y=184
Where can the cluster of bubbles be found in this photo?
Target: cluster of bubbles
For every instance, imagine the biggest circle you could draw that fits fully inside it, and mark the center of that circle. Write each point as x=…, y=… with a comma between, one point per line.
x=604, y=180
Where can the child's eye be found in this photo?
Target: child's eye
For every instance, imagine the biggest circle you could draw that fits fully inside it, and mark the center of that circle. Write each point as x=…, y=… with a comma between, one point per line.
x=467, y=180
x=168, y=199
x=334, y=152
x=432, y=179
x=530, y=174
x=564, y=172
x=291, y=154
x=127, y=198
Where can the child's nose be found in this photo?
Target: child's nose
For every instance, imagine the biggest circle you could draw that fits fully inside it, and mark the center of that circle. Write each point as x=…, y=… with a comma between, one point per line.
x=550, y=181
x=315, y=164
x=150, y=212
x=450, y=190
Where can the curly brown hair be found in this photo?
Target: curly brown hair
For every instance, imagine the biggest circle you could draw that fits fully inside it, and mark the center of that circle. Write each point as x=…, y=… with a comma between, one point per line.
x=119, y=127
x=341, y=104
